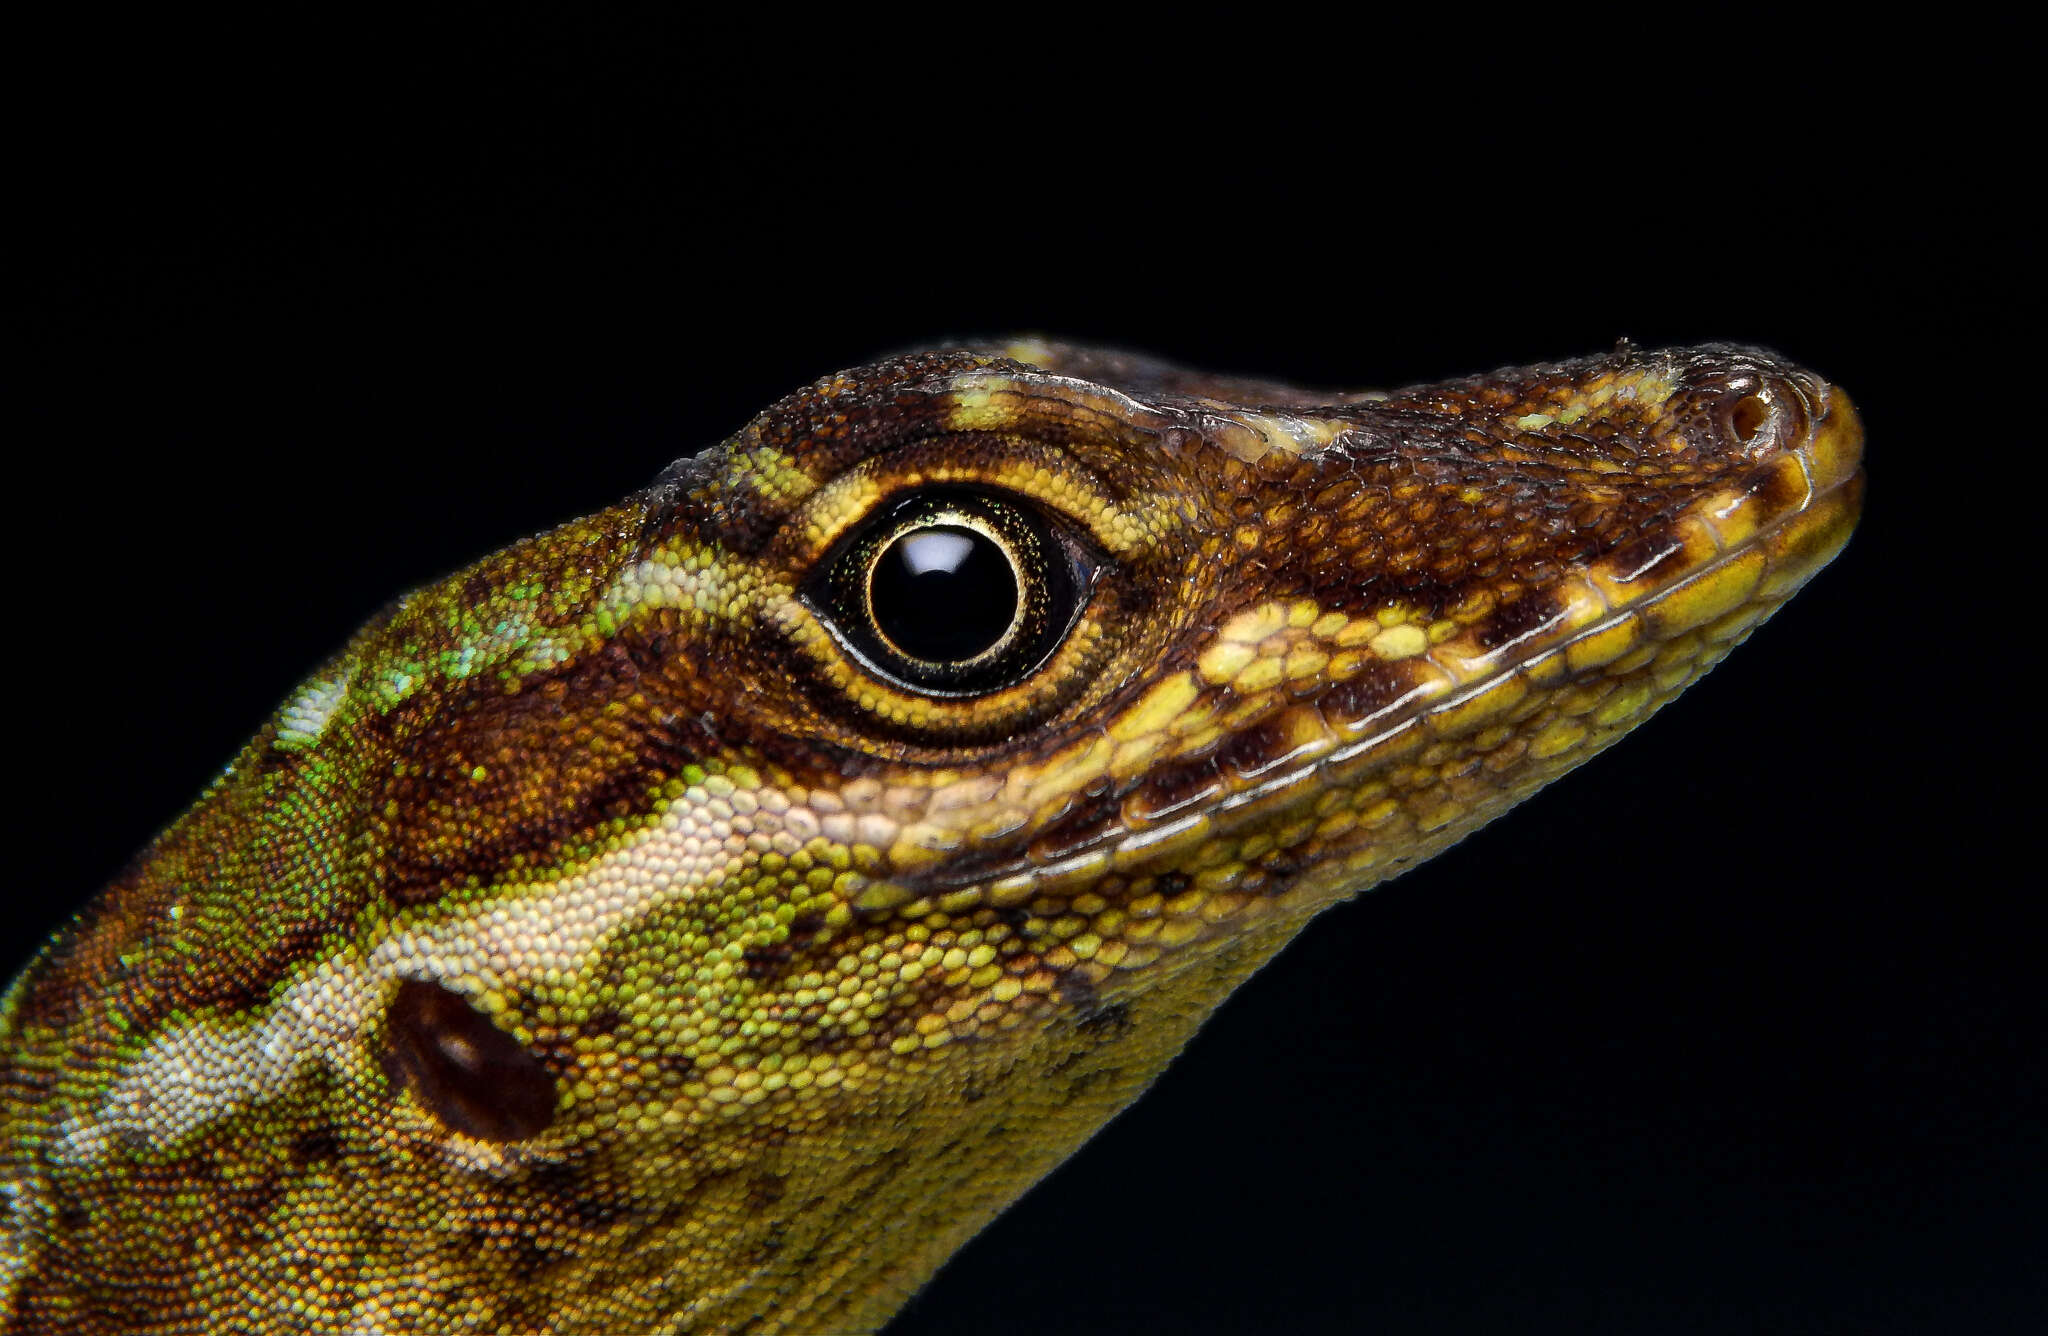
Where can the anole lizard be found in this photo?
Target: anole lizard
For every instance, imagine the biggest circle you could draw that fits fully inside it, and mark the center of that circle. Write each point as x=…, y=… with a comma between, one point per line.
x=708, y=914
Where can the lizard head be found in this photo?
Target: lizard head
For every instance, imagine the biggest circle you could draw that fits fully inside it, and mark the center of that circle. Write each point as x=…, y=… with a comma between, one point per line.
x=718, y=908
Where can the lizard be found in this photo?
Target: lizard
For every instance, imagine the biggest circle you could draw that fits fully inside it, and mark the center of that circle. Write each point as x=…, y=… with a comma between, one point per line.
x=706, y=915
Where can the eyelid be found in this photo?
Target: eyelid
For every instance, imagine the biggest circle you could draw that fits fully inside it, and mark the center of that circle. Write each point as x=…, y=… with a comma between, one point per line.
x=1049, y=479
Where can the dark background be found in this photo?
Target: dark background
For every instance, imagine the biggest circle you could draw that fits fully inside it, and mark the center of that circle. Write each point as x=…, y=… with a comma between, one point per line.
x=1740, y=1028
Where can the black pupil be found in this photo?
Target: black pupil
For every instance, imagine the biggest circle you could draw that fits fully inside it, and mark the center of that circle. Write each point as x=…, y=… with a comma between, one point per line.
x=943, y=593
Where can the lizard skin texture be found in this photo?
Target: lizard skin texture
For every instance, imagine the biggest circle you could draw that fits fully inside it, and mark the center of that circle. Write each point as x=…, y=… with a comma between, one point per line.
x=708, y=914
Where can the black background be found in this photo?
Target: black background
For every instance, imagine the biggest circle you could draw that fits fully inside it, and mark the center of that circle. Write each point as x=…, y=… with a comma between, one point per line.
x=1740, y=1028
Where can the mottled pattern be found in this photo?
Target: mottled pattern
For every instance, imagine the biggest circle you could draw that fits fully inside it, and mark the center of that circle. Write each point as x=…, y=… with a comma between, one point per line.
x=595, y=944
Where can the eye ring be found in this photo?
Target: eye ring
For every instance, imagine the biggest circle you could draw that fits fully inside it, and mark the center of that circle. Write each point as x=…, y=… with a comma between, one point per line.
x=953, y=592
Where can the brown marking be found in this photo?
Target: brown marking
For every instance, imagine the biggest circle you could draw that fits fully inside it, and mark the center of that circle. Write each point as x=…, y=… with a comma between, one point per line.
x=565, y=1187
x=1649, y=559
x=1776, y=487
x=1105, y=1024
x=763, y=1191
x=763, y=960
x=1377, y=688
x=1173, y=787
x=999, y=858
x=1087, y=820
x=314, y=1145
x=556, y=760
x=1252, y=751
x=1511, y=622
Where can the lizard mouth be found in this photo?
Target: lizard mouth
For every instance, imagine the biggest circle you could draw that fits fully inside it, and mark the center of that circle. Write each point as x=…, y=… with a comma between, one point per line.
x=1604, y=649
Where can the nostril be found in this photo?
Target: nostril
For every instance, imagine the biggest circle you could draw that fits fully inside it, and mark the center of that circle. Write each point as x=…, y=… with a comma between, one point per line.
x=1750, y=415
x=1758, y=414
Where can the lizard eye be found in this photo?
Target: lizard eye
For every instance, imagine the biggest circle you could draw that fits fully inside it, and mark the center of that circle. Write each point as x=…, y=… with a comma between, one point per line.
x=952, y=592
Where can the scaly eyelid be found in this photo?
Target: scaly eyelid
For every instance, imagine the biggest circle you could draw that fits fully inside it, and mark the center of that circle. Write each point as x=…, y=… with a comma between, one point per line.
x=1054, y=480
